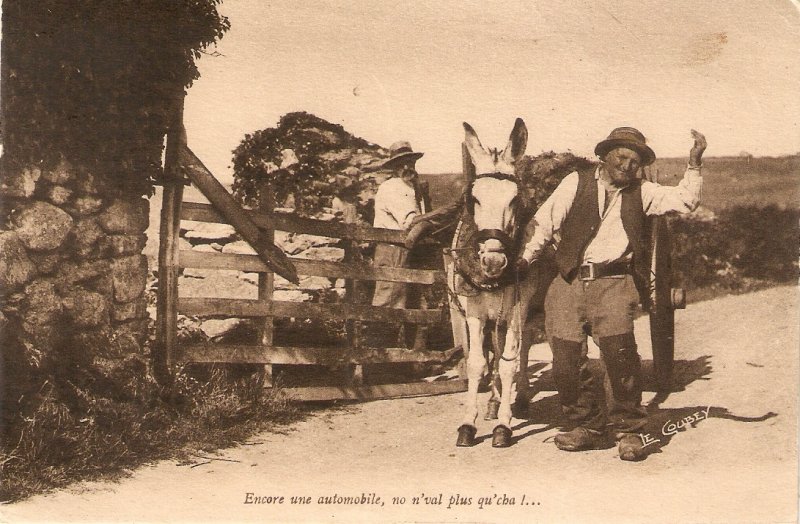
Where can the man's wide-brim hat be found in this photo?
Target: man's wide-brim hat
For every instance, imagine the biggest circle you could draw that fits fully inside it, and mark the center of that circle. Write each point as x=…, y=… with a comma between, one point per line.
x=630, y=138
x=400, y=152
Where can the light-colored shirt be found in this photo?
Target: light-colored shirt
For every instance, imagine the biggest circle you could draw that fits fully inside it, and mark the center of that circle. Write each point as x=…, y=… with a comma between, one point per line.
x=610, y=243
x=396, y=205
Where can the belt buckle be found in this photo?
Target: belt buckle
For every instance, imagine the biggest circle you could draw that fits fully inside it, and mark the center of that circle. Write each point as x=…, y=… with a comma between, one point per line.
x=586, y=272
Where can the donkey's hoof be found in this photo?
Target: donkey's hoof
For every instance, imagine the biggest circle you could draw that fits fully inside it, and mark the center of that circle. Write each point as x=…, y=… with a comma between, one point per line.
x=466, y=436
x=492, y=407
x=501, y=437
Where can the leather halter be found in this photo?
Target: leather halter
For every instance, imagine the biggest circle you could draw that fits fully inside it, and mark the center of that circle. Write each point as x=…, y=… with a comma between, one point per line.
x=510, y=242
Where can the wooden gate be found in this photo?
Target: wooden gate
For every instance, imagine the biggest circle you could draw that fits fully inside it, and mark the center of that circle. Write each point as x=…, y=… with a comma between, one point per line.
x=258, y=227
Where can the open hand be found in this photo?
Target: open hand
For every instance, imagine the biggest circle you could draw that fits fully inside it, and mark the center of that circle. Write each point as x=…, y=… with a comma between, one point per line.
x=700, y=144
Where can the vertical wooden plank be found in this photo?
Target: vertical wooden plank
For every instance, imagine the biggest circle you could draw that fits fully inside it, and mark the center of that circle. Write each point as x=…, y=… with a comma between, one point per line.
x=353, y=328
x=169, y=230
x=266, y=281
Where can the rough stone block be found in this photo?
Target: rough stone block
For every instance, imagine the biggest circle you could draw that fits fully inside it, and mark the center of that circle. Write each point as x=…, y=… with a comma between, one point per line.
x=86, y=231
x=205, y=248
x=118, y=245
x=89, y=184
x=315, y=283
x=240, y=247
x=103, y=284
x=205, y=233
x=42, y=226
x=61, y=174
x=184, y=245
x=22, y=183
x=217, y=327
x=302, y=242
x=333, y=254
x=129, y=276
x=87, y=205
x=136, y=309
x=42, y=303
x=73, y=272
x=16, y=268
x=129, y=336
x=87, y=308
x=48, y=263
x=59, y=195
x=126, y=216
x=291, y=295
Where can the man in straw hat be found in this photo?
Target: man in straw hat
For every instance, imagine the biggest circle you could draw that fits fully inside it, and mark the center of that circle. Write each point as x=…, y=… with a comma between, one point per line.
x=397, y=202
x=598, y=215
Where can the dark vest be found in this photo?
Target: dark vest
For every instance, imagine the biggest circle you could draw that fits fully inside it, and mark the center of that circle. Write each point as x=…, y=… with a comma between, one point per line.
x=583, y=219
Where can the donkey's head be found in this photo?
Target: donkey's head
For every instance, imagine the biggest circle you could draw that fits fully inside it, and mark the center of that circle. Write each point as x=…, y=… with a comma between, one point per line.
x=493, y=198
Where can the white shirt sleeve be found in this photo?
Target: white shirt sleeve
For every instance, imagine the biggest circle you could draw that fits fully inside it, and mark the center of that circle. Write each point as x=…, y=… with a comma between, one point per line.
x=683, y=198
x=549, y=218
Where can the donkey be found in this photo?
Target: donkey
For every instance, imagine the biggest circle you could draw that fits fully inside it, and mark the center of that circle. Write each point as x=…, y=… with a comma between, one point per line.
x=495, y=210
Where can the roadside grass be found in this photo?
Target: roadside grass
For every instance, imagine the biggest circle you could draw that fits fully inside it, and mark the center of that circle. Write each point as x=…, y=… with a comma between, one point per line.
x=79, y=435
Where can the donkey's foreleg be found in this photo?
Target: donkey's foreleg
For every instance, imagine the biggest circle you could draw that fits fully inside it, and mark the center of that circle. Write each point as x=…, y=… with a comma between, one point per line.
x=475, y=367
x=476, y=364
x=509, y=363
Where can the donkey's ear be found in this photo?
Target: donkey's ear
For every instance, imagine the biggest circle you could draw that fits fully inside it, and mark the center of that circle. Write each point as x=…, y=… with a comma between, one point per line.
x=517, y=142
x=474, y=145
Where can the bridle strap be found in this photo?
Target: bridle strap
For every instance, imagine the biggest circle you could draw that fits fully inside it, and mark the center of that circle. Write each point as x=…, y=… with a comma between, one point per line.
x=497, y=234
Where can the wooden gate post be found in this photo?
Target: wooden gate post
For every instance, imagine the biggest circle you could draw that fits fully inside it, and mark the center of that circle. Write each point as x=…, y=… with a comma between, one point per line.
x=353, y=328
x=169, y=231
x=266, y=281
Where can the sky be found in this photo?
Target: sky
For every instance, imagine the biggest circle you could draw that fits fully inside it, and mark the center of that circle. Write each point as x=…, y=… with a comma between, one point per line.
x=572, y=69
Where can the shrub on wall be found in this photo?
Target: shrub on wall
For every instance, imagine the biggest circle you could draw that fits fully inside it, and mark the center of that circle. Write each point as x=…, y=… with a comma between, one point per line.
x=301, y=157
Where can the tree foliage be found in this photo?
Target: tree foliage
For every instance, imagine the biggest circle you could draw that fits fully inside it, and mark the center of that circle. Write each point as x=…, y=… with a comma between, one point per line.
x=323, y=150
x=93, y=81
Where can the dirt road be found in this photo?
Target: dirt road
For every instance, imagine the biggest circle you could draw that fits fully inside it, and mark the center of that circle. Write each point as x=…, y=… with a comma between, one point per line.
x=396, y=460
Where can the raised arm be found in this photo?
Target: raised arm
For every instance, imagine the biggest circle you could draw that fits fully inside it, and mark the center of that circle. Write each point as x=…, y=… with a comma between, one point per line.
x=685, y=197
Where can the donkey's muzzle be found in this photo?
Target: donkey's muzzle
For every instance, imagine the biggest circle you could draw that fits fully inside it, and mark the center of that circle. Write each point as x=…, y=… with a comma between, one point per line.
x=493, y=258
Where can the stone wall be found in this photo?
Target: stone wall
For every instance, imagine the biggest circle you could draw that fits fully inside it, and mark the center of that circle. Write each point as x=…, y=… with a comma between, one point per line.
x=72, y=273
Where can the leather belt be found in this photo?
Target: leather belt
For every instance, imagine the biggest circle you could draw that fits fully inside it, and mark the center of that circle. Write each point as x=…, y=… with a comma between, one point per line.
x=592, y=271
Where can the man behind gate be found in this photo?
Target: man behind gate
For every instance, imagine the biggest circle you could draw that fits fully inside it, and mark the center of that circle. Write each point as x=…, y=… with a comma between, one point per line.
x=596, y=216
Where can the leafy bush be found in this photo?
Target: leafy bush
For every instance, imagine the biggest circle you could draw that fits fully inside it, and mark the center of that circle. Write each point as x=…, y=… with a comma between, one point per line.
x=742, y=246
